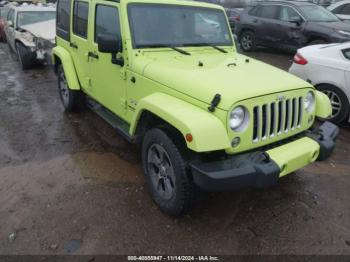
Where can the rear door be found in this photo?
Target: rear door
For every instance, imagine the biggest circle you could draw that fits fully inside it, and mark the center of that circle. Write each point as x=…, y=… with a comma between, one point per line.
x=265, y=24
x=79, y=40
x=289, y=34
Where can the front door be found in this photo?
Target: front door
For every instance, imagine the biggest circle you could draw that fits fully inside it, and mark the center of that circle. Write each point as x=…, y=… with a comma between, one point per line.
x=107, y=79
x=290, y=31
x=265, y=23
x=79, y=44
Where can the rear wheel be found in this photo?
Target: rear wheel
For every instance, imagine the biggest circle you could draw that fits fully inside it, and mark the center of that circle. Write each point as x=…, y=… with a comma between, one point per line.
x=25, y=56
x=70, y=98
x=339, y=101
x=166, y=174
x=247, y=41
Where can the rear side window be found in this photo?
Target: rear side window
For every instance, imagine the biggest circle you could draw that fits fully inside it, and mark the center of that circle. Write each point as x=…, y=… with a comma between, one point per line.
x=80, y=18
x=287, y=14
x=344, y=10
x=254, y=10
x=63, y=19
x=107, y=21
x=346, y=53
x=268, y=11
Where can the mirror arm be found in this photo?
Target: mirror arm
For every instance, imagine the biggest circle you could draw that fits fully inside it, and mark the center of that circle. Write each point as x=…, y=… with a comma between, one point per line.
x=117, y=61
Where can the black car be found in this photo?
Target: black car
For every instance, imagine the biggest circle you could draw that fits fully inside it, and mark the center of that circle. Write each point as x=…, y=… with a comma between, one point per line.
x=233, y=15
x=289, y=25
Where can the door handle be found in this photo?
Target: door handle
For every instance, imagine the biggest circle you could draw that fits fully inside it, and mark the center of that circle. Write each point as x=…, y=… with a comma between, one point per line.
x=73, y=45
x=255, y=20
x=93, y=55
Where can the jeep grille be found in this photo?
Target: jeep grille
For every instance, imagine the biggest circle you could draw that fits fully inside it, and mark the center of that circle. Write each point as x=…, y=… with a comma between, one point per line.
x=275, y=118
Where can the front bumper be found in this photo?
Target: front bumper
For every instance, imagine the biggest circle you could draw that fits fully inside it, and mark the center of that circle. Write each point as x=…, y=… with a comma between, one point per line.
x=263, y=168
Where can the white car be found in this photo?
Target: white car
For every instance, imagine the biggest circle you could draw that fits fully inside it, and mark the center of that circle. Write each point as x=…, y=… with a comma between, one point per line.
x=341, y=9
x=30, y=32
x=327, y=67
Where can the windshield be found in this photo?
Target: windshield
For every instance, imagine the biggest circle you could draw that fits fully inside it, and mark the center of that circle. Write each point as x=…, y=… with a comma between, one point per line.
x=156, y=25
x=3, y=12
x=27, y=18
x=315, y=13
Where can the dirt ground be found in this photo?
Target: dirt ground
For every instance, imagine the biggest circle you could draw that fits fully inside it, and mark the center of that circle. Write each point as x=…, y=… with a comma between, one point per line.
x=70, y=184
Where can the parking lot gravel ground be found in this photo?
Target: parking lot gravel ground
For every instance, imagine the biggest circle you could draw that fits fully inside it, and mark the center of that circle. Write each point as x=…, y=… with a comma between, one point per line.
x=70, y=185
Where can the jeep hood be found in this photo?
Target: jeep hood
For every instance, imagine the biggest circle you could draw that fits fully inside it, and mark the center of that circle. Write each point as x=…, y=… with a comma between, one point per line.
x=235, y=77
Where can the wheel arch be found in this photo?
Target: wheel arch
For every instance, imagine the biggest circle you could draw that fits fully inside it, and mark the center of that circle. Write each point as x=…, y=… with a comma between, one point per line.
x=312, y=38
x=335, y=85
x=208, y=132
x=62, y=57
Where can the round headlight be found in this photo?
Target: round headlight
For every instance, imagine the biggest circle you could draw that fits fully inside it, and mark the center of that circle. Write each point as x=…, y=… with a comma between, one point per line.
x=238, y=118
x=309, y=102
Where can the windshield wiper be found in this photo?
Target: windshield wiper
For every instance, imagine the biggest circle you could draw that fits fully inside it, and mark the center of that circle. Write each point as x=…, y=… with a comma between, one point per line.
x=181, y=51
x=211, y=45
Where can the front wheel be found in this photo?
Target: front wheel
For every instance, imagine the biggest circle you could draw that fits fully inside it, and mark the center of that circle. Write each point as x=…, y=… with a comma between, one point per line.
x=166, y=174
x=247, y=41
x=339, y=102
x=25, y=56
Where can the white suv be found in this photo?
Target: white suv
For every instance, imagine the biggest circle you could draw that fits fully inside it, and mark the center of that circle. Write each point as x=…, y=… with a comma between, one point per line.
x=30, y=32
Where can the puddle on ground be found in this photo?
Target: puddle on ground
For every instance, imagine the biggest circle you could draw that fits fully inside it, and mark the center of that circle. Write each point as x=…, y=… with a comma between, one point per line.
x=57, y=173
x=107, y=167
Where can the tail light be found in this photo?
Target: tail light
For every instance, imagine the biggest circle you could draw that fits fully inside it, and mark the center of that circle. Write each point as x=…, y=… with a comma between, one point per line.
x=299, y=59
x=238, y=18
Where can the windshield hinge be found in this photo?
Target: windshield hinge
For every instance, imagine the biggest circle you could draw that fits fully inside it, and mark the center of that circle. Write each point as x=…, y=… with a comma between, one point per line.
x=214, y=103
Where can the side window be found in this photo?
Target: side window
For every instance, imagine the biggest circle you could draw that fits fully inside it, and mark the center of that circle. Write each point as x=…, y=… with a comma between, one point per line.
x=63, y=19
x=107, y=21
x=287, y=14
x=80, y=18
x=268, y=11
x=346, y=53
x=345, y=10
x=10, y=16
x=254, y=11
x=338, y=10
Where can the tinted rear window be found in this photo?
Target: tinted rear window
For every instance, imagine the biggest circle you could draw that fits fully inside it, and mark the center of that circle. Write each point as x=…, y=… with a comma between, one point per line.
x=63, y=18
x=80, y=18
x=268, y=11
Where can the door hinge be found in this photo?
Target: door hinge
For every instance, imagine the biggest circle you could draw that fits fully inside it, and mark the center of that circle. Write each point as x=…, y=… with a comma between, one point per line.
x=123, y=74
x=123, y=103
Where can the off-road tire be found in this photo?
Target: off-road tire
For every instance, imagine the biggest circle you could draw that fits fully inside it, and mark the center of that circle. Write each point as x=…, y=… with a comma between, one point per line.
x=247, y=41
x=338, y=98
x=71, y=99
x=25, y=56
x=185, y=193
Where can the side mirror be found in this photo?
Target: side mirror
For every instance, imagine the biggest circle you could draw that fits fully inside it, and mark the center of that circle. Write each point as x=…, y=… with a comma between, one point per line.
x=111, y=44
x=108, y=43
x=9, y=23
x=296, y=20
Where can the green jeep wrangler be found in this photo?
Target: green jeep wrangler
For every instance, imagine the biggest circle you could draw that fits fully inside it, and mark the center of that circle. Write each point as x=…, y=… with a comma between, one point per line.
x=166, y=75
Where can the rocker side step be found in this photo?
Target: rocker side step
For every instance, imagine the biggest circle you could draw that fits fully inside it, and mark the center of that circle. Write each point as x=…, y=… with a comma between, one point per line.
x=116, y=122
